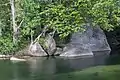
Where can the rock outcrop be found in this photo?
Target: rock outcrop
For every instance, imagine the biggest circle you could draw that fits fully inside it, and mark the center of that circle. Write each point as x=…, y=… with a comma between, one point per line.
x=81, y=44
x=93, y=39
x=50, y=45
x=47, y=48
x=72, y=50
x=37, y=50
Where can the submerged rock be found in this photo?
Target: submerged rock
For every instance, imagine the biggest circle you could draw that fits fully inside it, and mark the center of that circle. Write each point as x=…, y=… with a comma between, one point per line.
x=93, y=39
x=36, y=50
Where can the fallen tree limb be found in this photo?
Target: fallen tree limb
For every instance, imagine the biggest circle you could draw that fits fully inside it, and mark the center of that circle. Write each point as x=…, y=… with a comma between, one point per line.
x=43, y=33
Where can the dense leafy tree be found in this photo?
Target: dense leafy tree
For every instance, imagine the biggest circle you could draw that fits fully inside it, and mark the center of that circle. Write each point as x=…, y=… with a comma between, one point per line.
x=62, y=16
x=68, y=16
x=6, y=28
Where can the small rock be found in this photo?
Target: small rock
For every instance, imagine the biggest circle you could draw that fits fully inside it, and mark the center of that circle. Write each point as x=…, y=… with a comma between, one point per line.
x=58, y=51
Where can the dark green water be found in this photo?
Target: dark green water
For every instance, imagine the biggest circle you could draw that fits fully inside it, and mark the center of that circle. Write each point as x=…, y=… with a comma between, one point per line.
x=45, y=68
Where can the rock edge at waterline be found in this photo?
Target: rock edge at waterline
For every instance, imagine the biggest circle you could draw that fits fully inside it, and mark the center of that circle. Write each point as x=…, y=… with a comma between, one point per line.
x=12, y=58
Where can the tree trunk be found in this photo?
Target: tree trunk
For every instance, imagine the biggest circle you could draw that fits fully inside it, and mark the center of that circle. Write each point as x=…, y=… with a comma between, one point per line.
x=15, y=30
x=0, y=28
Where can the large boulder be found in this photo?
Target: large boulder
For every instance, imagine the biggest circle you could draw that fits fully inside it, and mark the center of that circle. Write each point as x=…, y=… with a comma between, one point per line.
x=44, y=48
x=76, y=50
x=50, y=45
x=36, y=50
x=93, y=39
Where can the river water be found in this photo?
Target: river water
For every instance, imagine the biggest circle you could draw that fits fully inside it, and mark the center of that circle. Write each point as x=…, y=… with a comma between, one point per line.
x=44, y=68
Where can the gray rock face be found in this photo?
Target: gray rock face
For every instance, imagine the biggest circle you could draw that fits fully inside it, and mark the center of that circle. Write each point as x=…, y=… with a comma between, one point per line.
x=36, y=50
x=93, y=39
x=72, y=50
x=50, y=45
x=58, y=51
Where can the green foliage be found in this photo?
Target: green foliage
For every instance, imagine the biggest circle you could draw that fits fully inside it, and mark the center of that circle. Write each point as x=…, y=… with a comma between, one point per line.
x=68, y=16
x=106, y=13
x=6, y=46
x=5, y=17
x=62, y=16
x=59, y=17
x=6, y=31
x=42, y=42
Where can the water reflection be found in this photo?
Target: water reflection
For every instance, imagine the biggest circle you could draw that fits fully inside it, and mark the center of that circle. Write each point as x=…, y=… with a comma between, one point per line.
x=45, y=68
x=42, y=67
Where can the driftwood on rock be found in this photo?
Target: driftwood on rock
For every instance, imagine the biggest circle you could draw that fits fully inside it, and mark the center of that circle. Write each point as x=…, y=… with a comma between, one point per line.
x=47, y=47
x=35, y=48
x=43, y=33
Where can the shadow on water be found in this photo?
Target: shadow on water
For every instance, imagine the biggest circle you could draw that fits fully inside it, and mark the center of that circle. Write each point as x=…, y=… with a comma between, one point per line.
x=39, y=68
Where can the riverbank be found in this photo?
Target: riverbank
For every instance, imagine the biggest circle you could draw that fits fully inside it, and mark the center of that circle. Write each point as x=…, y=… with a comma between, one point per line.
x=111, y=72
x=14, y=58
x=5, y=56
